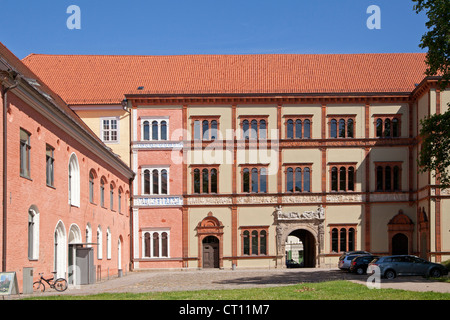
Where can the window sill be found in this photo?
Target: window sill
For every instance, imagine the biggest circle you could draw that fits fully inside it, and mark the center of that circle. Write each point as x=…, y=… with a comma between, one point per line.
x=26, y=177
x=51, y=187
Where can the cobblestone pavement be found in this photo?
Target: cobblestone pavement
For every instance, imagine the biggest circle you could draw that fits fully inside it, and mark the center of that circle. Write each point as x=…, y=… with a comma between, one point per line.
x=181, y=280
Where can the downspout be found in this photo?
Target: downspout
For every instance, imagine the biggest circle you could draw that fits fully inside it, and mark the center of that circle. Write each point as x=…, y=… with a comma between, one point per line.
x=4, y=92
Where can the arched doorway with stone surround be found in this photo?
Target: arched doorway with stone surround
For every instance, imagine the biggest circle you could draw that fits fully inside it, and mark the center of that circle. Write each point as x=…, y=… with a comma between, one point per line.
x=210, y=242
x=307, y=226
x=400, y=233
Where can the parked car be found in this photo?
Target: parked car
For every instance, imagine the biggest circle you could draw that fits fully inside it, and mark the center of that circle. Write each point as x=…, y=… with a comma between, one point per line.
x=346, y=259
x=293, y=264
x=360, y=263
x=393, y=266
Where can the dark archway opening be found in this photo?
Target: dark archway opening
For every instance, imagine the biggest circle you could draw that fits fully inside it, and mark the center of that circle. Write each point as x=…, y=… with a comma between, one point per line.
x=307, y=250
x=399, y=244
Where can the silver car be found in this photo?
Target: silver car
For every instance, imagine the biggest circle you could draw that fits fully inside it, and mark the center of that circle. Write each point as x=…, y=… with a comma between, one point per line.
x=392, y=266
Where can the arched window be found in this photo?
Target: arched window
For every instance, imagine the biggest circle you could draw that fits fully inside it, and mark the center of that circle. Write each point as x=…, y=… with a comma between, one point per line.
x=342, y=179
x=213, y=130
x=164, y=245
x=387, y=179
x=387, y=127
x=205, y=179
x=254, y=242
x=163, y=130
x=120, y=200
x=342, y=128
x=102, y=192
x=163, y=181
x=333, y=128
x=74, y=181
x=298, y=179
x=146, y=130
x=263, y=180
x=379, y=178
x=245, y=129
x=306, y=180
x=196, y=181
x=351, y=179
x=334, y=240
x=351, y=239
x=197, y=130
x=91, y=186
x=379, y=127
x=395, y=128
x=246, y=180
x=343, y=241
x=213, y=180
x=290, y=180
x=147, y=247
x=307, y=129
x=111, y=196
x=99, y=243
x=263, y=242
x=146, y=181
x=205, y=129
x=155, y=180
x=155, y=130
x=334, y=179
x=254, y=129
x=108, y=244
x=254, y=180
x=298, y=128
x=88, y=234
x=396, y=178
x=290, y=129
x=33, y=233
x=155, y=244
x=246, y=241
x=262, y=130
x=350, y=128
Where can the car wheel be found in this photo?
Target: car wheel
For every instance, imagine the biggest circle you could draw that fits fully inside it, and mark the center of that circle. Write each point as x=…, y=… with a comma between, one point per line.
x=390, y=274
x=360, y=271
x=435, y=273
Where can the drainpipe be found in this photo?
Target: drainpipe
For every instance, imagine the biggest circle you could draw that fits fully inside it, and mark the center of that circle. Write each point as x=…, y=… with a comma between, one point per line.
x=6, y=78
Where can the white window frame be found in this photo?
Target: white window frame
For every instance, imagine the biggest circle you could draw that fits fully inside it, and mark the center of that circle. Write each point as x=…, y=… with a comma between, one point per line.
x=152, y=231
x=102, y=130
x=33, y=214
x=159, y=169
x=99, y=243
x=74, y=180
x=150, y=121
x=108, y=244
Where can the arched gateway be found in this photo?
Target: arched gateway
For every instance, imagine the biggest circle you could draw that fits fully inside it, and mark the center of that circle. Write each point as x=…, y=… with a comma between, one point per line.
x=307, y=226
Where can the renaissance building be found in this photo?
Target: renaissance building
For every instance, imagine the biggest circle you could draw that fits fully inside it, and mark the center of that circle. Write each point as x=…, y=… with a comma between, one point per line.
x=236, y=154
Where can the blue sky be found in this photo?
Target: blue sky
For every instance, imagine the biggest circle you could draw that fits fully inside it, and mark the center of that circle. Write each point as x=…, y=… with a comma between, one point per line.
x=174, y=27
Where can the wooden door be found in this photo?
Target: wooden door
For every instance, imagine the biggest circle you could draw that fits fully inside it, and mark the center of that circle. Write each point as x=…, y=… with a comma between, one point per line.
x=211, y=252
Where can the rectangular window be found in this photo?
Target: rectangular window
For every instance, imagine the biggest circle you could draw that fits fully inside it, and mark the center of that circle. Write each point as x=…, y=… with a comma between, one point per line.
x=343, y=237
x=254, y=240
x=254, y=178
x=205, y=127
x=343, y=176
x=155, y=181
x=24, y=153
x=298, y=177
x=205, y=179
x=49, y=157
x=110, y=129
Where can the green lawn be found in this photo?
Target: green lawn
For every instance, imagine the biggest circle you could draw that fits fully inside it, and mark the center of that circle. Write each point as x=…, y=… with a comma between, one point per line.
x=332, y=290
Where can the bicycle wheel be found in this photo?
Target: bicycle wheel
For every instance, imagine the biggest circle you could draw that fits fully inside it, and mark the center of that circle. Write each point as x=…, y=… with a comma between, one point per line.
x=38, y=286
x=60, y=284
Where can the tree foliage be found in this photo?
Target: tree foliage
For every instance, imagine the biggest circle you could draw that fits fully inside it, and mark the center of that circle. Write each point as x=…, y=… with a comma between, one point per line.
x=435, y=132
x=435, y=150
x=437, y=38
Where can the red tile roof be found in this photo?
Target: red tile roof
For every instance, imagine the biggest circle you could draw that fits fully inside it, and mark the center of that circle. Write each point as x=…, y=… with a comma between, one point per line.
x=95, y=79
